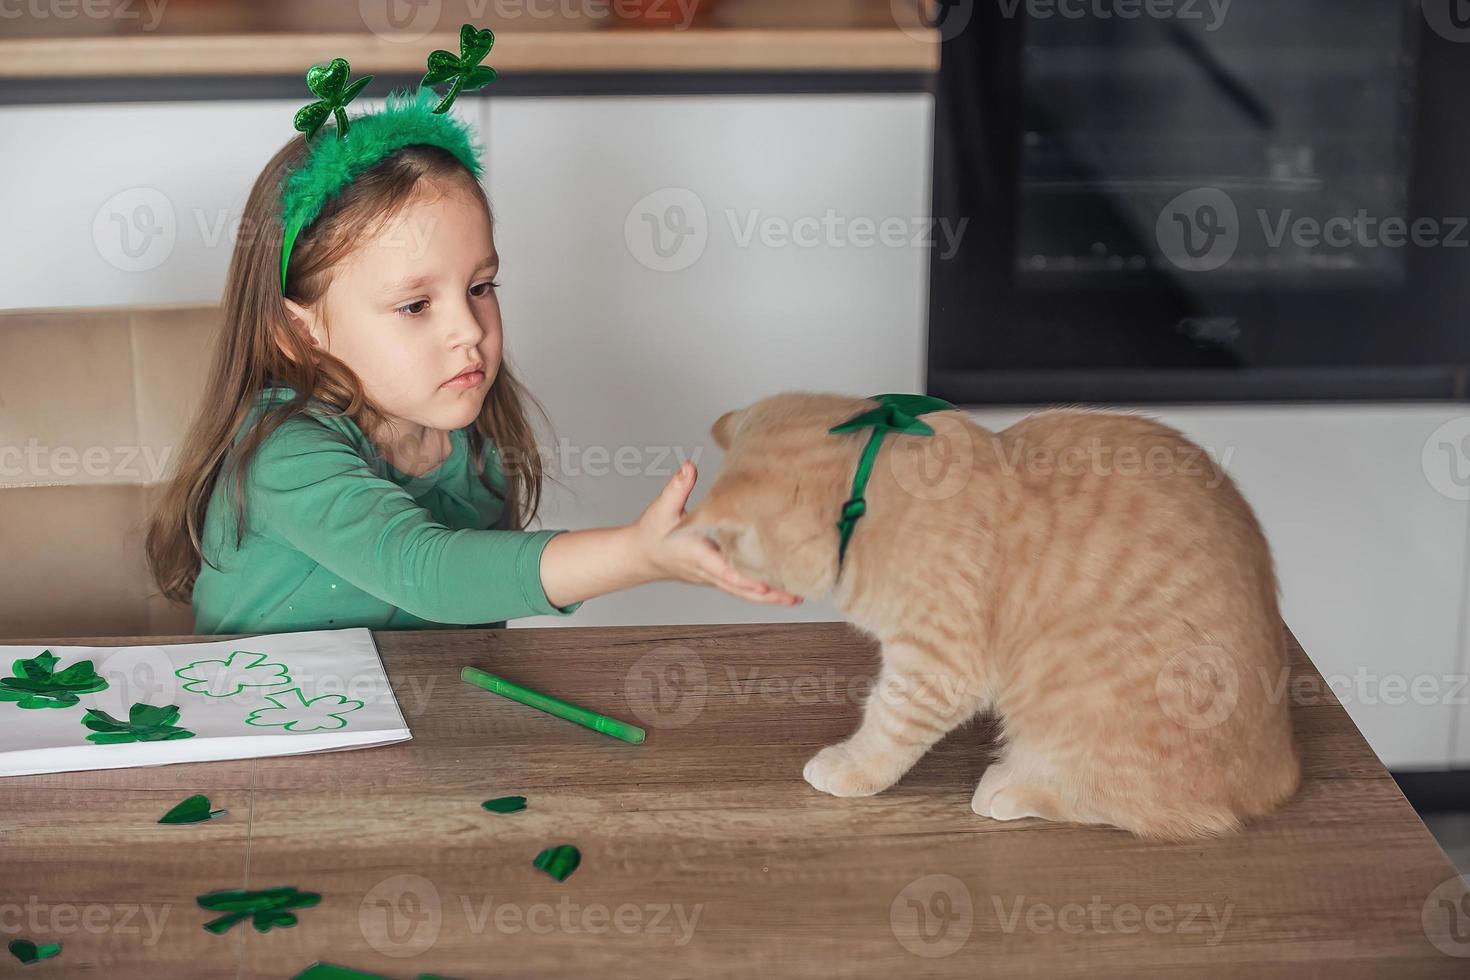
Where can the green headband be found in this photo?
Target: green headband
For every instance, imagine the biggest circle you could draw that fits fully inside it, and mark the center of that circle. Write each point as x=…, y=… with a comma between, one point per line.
x=407, y=120
x=895, y=413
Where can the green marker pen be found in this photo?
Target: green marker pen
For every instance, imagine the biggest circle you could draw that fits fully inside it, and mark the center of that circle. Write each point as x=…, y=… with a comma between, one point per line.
x=550, y=705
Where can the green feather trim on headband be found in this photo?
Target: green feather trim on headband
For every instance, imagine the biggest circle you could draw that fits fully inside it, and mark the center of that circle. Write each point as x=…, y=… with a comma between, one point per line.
x=408, y=118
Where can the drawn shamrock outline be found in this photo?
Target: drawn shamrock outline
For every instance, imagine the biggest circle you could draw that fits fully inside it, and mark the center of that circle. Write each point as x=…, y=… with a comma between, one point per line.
x=303, y=702
x=229, y=662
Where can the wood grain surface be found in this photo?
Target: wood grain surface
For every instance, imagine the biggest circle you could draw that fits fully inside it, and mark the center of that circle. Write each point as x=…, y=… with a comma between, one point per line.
x=704, y=854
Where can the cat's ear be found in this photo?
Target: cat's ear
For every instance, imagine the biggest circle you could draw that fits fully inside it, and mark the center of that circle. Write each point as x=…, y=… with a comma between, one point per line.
x=726, y=426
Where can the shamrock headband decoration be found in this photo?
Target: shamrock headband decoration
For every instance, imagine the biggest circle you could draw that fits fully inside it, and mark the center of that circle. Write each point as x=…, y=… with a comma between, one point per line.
x=895, y=413
x=333, y=164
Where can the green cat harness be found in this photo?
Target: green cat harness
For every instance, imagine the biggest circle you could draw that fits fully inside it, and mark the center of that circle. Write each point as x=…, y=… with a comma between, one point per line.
x=895, y=413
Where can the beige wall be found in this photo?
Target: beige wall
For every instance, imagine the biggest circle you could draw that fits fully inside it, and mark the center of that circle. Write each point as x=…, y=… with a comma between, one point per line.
x=93, y=407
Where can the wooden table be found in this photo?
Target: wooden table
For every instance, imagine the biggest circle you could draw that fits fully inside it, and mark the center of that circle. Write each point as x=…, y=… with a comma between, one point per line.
x=703, y=851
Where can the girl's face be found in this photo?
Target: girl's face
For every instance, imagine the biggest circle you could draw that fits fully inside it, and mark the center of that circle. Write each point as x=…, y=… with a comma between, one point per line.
x=413, y=312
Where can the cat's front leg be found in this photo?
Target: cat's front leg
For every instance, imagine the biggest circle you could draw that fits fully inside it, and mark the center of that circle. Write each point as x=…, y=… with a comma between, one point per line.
x=918, y=698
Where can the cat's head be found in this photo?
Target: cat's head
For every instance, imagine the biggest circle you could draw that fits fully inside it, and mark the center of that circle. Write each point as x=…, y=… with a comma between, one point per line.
x=773, y=508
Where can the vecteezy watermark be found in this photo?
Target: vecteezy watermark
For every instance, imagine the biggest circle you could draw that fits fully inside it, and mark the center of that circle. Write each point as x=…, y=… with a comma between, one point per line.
x=1106, y=918
x=1198, y=687
x=667, y=686
x=1202, y=229
x=675, y=920
x=932, y=916
x=1446, y=916
x=1210, y=14
x=401, y=916
x=948, y=18
x=918, y=18
x=1098, y=458
x=1445, y=458
x=35, y=463
x=150, y=12
x=56, y=920
x=1450, y=19
x=404, y=916
x=406, y=21
x=669, y=230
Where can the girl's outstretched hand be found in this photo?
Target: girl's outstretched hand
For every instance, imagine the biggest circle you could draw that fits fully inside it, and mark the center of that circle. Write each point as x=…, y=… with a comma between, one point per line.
x=688, y=558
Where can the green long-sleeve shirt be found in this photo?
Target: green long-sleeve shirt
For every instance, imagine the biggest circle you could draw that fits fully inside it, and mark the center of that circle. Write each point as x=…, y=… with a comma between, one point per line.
x=336, y=537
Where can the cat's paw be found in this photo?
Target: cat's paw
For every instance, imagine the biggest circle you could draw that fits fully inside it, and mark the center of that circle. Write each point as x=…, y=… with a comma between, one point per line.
x=835, y=770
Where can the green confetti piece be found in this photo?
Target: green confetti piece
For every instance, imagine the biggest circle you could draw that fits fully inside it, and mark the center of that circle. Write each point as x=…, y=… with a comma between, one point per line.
x=193, y=810
x=146, y=723
x=267, y=909
x=559, y=861
x=331, y=971
x=505, y=804
x=38, y=684
x=28, y=952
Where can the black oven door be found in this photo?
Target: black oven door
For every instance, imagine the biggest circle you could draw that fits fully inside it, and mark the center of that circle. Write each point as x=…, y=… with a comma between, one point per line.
x=1201, y=200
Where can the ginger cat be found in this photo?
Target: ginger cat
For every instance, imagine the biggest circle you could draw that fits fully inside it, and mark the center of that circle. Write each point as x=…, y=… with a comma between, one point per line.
x=1093, y=578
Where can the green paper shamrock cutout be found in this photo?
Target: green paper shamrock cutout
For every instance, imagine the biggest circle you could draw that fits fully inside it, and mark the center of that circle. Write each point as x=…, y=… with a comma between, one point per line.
x=193, y=810
x=327, y=83
x=267, y=908
x=145, y=723
x=466, y=70
x=228, y=677
x=37, y=683
x=505, y=804
x=28, y=952
x=293, y=711
x=559, y=861
x=896, y=413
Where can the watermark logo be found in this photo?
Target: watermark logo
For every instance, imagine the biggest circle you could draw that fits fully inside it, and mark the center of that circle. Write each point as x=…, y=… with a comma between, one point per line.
x=1446, y=917
x=142, y=675
x=932, y=916
x=400, y=21
x=667, y=231
x=935, y=467
x=1198, y=688
x=1450, y=19
x=401, y=916
x=666, y=687
x=1446, y=459
x=920, y=19
x=1199, y=230
x=135, y=229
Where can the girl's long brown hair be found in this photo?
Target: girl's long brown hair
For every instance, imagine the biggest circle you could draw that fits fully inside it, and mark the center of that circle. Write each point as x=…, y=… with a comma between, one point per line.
x=259, y=348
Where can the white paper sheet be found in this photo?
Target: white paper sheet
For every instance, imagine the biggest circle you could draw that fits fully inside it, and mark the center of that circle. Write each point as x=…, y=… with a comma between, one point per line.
x=284, y=694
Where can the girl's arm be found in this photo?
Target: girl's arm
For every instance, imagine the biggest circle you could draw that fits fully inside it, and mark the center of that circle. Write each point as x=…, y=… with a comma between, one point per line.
x=577, y=565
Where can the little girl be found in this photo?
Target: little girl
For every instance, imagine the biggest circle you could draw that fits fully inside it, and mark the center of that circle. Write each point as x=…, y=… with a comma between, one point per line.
x=364, y=457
